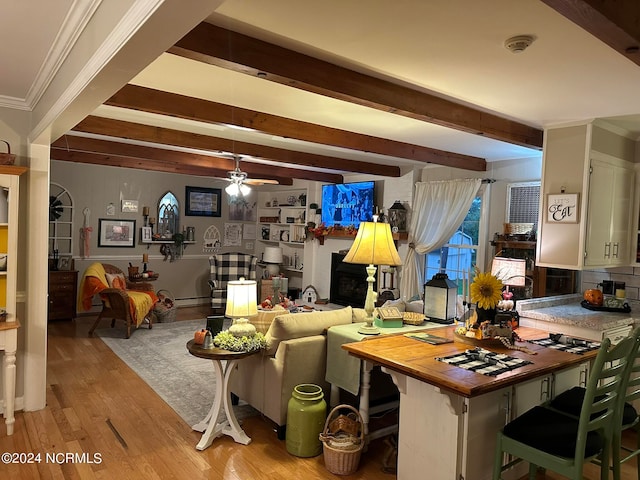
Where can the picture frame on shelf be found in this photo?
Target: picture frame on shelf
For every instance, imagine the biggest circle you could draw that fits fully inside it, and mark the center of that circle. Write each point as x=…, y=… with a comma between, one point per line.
x=146, y=234
x=203, y=202
x=116, y=233
x=65, y=263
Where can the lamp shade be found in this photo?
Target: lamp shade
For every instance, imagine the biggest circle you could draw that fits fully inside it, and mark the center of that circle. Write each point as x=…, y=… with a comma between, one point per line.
x=242, y=298
x=272, y=255
x=511, y=271
x=373, y=246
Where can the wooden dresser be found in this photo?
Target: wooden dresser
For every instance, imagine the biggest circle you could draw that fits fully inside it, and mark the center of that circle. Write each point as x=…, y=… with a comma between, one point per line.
x=63, y=286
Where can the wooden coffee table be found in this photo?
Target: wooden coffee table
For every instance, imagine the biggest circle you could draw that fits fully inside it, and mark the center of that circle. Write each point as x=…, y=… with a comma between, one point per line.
x=210, y=425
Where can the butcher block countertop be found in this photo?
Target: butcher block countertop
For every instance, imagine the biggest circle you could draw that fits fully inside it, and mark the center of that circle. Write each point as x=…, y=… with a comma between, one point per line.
x=418, y=360
x=566, y=310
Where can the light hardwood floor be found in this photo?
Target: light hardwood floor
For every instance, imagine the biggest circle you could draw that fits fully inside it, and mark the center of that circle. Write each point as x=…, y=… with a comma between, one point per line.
x=98, y=406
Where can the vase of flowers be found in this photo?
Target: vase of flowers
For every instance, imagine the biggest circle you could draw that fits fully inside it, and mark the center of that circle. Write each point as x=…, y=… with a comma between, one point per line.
x=486, y=292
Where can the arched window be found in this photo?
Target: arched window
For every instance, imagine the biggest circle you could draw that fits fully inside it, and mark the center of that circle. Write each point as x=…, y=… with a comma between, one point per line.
x=60, y=220
x=168, y=216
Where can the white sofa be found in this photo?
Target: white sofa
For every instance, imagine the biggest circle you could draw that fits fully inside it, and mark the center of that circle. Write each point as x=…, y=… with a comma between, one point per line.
x=296, y=353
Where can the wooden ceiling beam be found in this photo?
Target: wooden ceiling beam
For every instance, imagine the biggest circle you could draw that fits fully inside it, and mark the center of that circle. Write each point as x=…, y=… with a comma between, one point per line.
x=149, y=100
x=617, y=24
x=224, y=48
x=155, y=165
x=136, y=131
x=220, y=164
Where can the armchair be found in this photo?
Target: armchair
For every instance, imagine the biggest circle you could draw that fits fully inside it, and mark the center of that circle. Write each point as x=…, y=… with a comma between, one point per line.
x=121, y=299
x=225, y=267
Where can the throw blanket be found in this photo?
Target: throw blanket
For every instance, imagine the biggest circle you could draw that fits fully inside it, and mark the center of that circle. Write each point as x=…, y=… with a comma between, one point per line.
x=94, y=281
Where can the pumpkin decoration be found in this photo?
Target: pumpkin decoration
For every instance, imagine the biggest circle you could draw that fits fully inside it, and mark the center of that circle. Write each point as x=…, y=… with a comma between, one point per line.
x=198, y=337
x=594, y=297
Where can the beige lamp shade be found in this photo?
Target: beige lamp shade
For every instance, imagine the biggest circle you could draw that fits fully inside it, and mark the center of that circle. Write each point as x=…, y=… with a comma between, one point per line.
x=511, y=271
x=373, y=246
x=242, y=298
x=272, y=255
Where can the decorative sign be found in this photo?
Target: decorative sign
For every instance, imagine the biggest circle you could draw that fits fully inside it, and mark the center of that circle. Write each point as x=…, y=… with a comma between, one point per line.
x=562, y=208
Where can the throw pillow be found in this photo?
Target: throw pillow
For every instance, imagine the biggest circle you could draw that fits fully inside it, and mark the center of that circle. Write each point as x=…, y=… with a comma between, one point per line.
x=116, y=280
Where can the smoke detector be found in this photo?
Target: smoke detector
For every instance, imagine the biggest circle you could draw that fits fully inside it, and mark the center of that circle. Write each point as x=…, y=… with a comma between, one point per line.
x=519, y=43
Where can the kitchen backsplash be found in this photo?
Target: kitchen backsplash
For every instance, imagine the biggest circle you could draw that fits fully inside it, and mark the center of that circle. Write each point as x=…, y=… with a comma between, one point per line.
x=629, y=275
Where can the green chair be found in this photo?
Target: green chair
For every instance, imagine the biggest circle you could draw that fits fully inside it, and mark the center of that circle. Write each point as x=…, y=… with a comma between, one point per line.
x=560, y=442
x=571, y=401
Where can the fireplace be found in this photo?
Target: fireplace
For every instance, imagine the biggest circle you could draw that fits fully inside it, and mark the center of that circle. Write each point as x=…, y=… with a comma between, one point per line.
x=348, y=282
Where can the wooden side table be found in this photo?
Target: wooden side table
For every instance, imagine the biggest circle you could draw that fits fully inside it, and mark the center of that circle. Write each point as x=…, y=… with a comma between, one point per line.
x=210, y=425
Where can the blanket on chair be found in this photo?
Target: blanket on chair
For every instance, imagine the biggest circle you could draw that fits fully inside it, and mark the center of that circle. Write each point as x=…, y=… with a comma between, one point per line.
x=94, y=281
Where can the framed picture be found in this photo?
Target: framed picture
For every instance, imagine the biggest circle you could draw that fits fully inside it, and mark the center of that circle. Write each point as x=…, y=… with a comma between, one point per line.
x=562, y=208
x=116, y=233
x=65, y=262
x=146, y=235
x=203, y=202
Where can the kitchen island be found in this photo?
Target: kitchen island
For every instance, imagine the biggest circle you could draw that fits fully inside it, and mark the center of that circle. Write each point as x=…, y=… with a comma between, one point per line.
x=449, y=416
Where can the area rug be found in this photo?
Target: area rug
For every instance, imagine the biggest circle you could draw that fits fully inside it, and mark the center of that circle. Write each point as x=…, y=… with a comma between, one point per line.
x=160, y=357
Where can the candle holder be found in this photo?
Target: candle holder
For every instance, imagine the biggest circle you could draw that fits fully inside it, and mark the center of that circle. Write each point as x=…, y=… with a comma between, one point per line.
x=145, y=214
x=152, y=222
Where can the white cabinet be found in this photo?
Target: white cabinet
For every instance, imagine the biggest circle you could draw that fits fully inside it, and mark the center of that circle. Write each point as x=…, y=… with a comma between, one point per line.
x=596, y=164
x=608, y=235
x=10, y=186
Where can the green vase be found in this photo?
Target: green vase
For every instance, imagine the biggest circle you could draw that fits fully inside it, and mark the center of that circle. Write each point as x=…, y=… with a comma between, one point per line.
x=306, y=414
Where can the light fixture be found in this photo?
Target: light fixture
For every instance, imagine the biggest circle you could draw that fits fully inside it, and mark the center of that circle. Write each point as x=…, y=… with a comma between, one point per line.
x=373, y=246
x=273, y=258
x=235, y=188
x=512, y=271
x=242, y=303
x=440, y=296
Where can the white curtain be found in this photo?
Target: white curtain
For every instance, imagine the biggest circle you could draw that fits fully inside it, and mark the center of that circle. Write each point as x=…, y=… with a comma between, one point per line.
x=438, y=210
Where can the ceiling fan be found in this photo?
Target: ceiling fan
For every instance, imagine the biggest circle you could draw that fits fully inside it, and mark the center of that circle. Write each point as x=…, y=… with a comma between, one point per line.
x=240, y=181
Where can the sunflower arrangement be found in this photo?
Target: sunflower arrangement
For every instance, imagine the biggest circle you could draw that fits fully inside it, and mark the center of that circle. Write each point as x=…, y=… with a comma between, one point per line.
x=486, y=290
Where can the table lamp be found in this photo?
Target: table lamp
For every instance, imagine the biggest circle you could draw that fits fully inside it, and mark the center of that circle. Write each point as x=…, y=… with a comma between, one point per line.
x=273, y=258
x=512, y=271
x=242, y=303
x=373, y=246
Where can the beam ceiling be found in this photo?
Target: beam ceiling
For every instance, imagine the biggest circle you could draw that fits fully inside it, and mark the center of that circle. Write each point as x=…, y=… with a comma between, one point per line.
x=171, y=104
x=615, y=23
x=227, y=49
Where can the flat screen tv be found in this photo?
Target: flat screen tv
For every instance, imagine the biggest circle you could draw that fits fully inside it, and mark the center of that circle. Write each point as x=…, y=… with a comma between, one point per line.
x=347, y=203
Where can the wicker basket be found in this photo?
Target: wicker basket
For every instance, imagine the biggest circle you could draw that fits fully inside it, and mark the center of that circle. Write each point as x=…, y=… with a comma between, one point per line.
x=7, y=158
x=342, y=440
x=517, y=228
x=166, y=309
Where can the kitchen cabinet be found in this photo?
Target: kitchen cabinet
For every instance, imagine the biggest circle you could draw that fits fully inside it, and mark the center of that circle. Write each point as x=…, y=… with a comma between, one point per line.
x=63, y=286
x=609, y=211
x=596, y=163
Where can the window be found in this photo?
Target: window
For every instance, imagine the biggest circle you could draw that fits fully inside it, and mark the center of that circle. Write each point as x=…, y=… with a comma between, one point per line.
x=457, y=256
x=523, y=202
x=60, y=220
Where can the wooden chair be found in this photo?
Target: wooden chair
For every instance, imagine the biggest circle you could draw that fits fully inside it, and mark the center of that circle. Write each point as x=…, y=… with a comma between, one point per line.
x=560, y=442
x=571, y=400
x=116, y=302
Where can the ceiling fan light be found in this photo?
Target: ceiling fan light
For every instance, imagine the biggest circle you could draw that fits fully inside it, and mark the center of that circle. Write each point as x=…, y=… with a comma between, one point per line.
x=232, y=189
x=245, y=189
